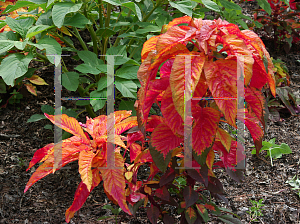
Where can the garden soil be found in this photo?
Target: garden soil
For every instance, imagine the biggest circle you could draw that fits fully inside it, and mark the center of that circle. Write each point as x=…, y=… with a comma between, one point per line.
x=48, y=199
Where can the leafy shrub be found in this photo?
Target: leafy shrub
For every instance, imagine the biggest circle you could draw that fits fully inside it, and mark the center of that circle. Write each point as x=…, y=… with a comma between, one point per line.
x=214, y=49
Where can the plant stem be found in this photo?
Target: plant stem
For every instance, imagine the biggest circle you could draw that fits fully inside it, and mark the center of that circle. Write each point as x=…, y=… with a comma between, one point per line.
x=87, y=107
x=100, y=14
x=80, y=39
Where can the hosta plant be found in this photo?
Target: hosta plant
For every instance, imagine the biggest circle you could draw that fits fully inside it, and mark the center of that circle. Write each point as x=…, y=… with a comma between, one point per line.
x=215, y=51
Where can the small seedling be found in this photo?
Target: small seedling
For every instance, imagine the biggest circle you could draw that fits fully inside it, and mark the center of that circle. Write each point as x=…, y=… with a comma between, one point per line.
x=295, y=183
x=21, y=162
x=274, y=151
x=15, y=98
x=255, y=210
x=114, y=211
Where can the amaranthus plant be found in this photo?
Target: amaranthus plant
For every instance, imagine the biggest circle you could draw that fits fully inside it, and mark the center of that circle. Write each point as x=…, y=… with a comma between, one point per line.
x=215, y=56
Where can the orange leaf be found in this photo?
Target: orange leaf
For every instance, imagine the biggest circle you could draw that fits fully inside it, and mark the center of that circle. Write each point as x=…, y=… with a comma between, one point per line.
x=114, y=182
x=125, y=125
x=178, y=76
x=190, y=215
x=210, y=159
x=149, y=45
x=40, y=154
x=68, y=124
x=85, y=167
x=201, y=208
x=35, y=79
x=210, y=207
x=205, y=128
x=225, y=138
x=31, y=88
x=221, y=79
x=135, y=150
x=170, y=114
x=164, y=140
x=81, y=195
x=175, y=22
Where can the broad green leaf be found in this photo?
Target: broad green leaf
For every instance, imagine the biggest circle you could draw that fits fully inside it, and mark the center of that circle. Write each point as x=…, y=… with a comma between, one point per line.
x=89, y=58
x=265, y=6
x=228, y=219
x=38, y=2
x=19, y=4
x=70, y=80
x=52, y=48
x=114, y=181
x=45, y=19
x=105, y=32
x=102, y=83
x=183, y=6
x=127, y=87
x=86, y=68
x=127, y=72
x=48, y=109
x=21, y=26
x=78, y=20
x=211, y=5
x=134, y=7
x=113, y=2
x=230, y=5
x=37, y=29
x=148, y=29
x=49, y=2
x=36, y=117
x=14, y=66
x=98, y=99
x=5, y=46
x=285, y=149
x=61, y=9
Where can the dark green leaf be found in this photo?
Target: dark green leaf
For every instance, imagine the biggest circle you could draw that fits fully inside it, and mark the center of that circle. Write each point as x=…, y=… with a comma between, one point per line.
x=36, y=117
x=61, y=9
x=70, y=80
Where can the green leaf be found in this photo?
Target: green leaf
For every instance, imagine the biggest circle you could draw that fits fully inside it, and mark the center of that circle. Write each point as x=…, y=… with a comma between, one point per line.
x=48, y=126
x=258, y=24
x=38, y=2
x=127, y=105
x=2, y=86
x=69, y=112
x=105, y=32
x=134, y=8
x=242, y=23
x=61, y=9
x=86, y=68
x=228, y=219
x=209, y=4
x=127, y=72
x=45, y=19
x=37, y=29
x=183, y=6
x=14, y=66
x=36, y=117
x=70, y=80
x=113, y=2
x=82, y=102
x=48, y=109
x=90, y=58
x=78, y=20
x=127, y=87
x=52, y=48
x=102, y=83
x=19, y=4
x=265, y=6
x=21, y=26
x=230, y=5
x=5, y=46
x=98, y=103
x=285, y=149
x=148, y=29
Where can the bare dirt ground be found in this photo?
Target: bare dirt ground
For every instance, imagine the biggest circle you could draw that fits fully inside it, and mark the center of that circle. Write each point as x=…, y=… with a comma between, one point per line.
x=48, y=199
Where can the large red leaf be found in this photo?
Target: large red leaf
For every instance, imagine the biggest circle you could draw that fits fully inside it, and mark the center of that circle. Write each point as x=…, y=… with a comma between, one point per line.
x=114, y=182
x=205, y=128
x=149, y=45
x=166, y=68
x=125, y=125
x=85, y=167
x=170, y=114
x=40, y=154
x=135, y=150
x=178, y=78
x=81, y=195
x=177, y=21
x=233, y=45
x=68, y=124
x=222, y=81
x=255, y=102
x=164, y=140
